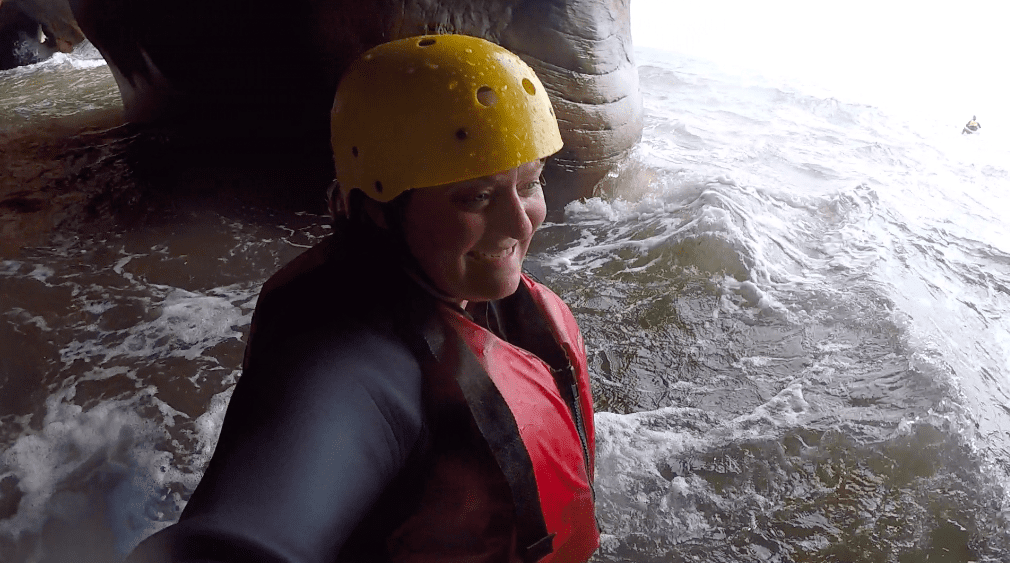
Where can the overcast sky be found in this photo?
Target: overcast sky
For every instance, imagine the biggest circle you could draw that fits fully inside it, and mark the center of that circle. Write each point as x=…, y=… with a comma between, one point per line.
x=950, y=58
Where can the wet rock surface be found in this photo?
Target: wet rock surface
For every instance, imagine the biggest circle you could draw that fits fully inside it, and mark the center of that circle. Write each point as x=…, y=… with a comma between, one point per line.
x=270, y=74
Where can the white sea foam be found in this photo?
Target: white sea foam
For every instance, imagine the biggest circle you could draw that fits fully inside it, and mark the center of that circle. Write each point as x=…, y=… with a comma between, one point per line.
x=106, y=458
x=639, y=486
x=72, y=448
x=187, y=325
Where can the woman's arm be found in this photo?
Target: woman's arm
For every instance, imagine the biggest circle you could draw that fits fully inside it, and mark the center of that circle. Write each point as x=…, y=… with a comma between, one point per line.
x=314, y=433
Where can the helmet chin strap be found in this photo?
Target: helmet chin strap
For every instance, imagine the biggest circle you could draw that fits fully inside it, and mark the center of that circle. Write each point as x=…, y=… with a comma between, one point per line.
x=336, y=202
x=414, y=271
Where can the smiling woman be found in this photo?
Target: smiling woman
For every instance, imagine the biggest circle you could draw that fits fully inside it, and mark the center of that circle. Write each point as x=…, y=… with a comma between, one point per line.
x=471, y=237
x=408, y=393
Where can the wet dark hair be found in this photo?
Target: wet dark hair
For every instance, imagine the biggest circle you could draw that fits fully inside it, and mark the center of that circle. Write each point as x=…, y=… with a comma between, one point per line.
x=356, y=226
x=394, y=211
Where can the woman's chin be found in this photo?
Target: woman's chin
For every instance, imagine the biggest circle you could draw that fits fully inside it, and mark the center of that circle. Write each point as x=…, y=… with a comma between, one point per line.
x=490, y=288
x=487, y=280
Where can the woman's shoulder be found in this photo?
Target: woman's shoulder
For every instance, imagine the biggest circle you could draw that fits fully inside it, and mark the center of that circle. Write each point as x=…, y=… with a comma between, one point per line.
x=326, y=364
x=324, y=289
x=316, y=334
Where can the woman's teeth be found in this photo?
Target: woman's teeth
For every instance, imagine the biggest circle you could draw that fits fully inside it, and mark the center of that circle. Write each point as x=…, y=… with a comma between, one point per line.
x=493, y=256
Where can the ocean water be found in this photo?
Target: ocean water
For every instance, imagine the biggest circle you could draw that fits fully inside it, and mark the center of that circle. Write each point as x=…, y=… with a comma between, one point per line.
x=795, y=308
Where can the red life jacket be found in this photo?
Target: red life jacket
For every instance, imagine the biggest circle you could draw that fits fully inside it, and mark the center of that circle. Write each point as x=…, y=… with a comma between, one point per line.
x=524, y=426
x=559, y=438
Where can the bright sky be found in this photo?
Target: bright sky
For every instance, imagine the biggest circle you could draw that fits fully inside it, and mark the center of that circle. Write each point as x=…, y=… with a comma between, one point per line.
x=948, y=58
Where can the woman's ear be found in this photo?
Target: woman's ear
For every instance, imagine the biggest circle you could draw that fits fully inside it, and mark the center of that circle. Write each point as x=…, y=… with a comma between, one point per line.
x=375, y=212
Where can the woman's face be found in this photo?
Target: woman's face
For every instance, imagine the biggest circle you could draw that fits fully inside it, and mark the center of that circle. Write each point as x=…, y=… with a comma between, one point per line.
x=471, y=237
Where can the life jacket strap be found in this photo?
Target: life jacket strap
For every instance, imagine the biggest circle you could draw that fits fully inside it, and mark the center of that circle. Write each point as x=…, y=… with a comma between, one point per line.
x=525, y=322
x=441, y=348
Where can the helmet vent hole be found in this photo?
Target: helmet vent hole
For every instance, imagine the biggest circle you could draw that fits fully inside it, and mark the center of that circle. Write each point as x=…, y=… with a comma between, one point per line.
x=426, y=42
x=378, y=186
x=354, y=151
x=529, y=87
x=461, y=134
x=486, y=96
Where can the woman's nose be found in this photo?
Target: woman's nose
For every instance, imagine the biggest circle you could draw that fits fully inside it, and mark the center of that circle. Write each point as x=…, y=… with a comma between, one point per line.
x=513, y=215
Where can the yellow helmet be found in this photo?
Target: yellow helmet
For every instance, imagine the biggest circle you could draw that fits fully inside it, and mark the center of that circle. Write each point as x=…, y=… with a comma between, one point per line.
x=435, y=109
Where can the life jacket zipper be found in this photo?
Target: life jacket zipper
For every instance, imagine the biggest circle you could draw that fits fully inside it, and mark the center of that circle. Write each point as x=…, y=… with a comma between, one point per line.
x=580, y=429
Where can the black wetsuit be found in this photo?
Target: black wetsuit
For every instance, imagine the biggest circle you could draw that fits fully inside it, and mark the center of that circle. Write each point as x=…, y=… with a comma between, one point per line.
x=327, y=438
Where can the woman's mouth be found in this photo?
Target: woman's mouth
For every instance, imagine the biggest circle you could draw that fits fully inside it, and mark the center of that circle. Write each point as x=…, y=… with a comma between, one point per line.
x=493, y=256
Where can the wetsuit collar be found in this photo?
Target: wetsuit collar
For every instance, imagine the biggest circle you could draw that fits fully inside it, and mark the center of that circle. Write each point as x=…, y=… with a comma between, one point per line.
x=422, y=280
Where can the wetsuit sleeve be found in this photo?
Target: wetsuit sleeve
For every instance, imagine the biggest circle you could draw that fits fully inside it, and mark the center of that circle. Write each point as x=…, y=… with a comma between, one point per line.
x=314, y=432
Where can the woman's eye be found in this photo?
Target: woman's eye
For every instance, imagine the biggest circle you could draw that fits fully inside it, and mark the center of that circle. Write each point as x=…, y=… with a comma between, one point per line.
x=473, y=199
x=530, y=187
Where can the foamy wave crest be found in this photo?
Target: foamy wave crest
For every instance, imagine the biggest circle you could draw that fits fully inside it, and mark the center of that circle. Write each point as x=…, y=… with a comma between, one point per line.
x=84, y=55
x=89, y=478
x=189, y=323
x=650, y=498
x=692, y=227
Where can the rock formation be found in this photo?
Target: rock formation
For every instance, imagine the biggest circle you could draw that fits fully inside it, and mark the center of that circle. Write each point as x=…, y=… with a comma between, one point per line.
x=32, y=30
x=256, y=74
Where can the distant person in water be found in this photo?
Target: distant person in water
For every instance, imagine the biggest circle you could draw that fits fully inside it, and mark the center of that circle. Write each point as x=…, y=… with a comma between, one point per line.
x=408, y=392
x=971, y=127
